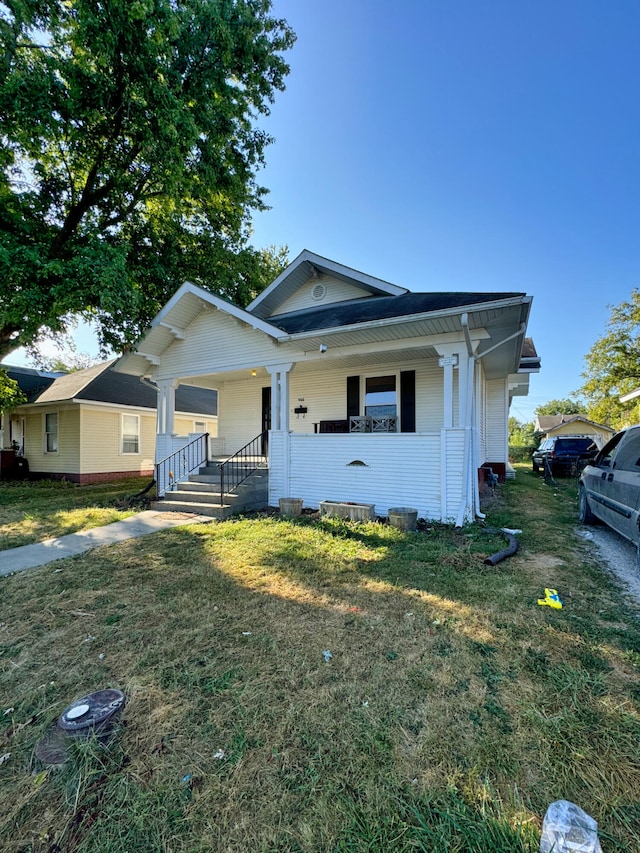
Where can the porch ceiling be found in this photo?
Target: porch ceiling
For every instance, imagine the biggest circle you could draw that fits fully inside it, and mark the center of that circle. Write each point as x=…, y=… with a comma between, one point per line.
x=354, y=361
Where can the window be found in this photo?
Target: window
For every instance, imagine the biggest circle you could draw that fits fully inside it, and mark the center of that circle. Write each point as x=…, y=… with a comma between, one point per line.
x=380, y=396
x=199, y=426
x=608, y=451
x=130, y=433
x=51, y=432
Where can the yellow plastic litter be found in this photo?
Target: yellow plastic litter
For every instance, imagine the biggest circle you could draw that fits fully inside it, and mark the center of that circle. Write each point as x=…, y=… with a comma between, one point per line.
x=551, y=599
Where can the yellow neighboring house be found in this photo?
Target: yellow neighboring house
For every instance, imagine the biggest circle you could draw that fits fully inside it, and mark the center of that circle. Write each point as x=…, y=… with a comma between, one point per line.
x=96, y=425
x=551, y=425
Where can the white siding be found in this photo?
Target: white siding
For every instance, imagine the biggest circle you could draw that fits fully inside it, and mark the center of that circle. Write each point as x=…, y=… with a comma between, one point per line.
x=217, y=342
x=336, y=291
x=239, y=413
x=277, y=463
x=481, y=413
x=453, y=447
x=497, y=442
x=399, y=470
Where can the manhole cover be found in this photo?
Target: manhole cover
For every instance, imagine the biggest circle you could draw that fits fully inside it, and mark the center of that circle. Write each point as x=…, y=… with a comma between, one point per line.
x=93, y=714
x=94, y=711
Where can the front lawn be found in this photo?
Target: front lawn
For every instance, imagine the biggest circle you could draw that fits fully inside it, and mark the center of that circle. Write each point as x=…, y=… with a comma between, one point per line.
x=35, y=510
x=451, y=710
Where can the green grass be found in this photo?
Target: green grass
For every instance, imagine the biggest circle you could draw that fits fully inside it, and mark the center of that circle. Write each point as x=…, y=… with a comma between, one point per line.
x=453, y=711
x=45, y=509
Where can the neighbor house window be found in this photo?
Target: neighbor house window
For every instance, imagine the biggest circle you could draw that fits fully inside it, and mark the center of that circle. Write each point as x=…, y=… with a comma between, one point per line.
x=199, y=426
x=380, y=396
x=131, y=434
x=51, y=432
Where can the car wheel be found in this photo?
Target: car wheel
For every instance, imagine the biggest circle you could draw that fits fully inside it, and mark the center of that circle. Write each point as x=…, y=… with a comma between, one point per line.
x=535, y=467
x=584, y=510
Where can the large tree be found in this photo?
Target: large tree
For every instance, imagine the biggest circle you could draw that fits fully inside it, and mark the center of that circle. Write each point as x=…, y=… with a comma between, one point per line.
x=562, y=407
x=10, y=393
x=128, y=157
x=612, y=365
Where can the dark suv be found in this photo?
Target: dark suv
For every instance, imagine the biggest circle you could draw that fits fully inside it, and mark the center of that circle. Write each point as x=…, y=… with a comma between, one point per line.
x=564, y=454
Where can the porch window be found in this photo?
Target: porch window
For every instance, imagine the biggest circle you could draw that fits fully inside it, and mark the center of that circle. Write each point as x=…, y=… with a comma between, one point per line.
x=51, y=432
x=131, y=433
x=380, y=399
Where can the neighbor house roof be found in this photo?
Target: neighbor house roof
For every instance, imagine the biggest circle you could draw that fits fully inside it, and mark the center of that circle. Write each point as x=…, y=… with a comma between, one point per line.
x=31, y=381
x=102, y=384
x=547, y=423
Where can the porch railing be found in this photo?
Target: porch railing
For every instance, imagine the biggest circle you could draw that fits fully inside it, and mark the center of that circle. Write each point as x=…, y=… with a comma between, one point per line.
x=178, y=466
x=242, y=464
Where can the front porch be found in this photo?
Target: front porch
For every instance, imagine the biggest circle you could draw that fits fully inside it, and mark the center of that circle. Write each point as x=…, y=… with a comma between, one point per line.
x=329, y=437
x=423, y=470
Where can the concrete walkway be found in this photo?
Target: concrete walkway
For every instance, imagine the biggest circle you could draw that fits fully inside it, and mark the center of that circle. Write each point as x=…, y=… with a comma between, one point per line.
x=141, y=524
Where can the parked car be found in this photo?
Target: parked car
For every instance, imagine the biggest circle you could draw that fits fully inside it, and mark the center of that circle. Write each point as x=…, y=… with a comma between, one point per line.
x=564, y=453
x=609, y=488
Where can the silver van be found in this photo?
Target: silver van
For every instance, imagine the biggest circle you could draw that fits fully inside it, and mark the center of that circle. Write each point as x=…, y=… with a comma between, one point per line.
x=609, y=488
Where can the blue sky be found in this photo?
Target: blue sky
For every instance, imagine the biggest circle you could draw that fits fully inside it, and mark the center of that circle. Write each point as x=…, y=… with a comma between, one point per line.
x=465, y=145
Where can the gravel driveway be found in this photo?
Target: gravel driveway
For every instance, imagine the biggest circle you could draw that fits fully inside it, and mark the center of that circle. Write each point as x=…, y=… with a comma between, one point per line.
x=618, y=556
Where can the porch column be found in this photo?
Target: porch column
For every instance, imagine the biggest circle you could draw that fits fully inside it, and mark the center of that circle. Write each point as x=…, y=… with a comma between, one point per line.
x=449, y=358
x=166, y=406
x=279, y=461
x=280, y=395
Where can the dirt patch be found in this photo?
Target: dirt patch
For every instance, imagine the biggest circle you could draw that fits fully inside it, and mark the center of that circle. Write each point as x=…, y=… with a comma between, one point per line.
x=544, y=562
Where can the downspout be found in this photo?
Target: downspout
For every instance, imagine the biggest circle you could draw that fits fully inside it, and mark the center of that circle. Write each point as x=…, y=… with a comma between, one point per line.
x=468, y=455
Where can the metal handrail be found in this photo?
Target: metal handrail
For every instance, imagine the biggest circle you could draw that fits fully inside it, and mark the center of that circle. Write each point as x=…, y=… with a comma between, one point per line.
x=242, y=464
x=178, y=466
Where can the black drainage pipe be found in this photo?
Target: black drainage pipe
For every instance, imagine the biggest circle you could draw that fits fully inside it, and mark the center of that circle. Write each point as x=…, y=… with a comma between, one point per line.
x=509, y=551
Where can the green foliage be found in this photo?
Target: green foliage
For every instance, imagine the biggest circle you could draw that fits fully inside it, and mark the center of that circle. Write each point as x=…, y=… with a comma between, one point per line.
x=562, y=407
x=128, y=158
x=613, y=366
x=10, y=393
x=521, y=452
x=521, y=434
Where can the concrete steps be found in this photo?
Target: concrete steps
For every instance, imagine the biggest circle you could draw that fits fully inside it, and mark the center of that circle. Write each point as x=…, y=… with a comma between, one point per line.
x=201, y=494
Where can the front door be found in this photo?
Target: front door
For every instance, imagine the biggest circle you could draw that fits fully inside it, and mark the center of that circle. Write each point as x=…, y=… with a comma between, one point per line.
x=266, y=418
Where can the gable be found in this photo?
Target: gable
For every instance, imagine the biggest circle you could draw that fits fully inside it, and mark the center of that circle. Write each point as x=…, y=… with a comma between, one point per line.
x=321, y=291
x=308, y=270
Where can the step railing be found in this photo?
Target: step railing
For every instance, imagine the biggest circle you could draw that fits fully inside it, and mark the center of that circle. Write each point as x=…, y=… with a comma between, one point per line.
x=242, y=464
x=177, y=467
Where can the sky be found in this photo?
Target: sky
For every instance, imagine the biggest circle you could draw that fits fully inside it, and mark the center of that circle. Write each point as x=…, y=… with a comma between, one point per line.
x=457, y=145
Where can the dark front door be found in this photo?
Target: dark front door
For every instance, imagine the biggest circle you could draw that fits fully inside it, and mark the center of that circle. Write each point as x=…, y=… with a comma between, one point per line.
x=266, y=418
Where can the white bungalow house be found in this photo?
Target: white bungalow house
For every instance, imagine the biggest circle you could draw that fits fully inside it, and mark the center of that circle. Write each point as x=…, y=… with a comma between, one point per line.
x=356, y=390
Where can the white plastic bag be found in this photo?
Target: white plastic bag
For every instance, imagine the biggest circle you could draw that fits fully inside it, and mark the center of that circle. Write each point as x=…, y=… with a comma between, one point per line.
x=568, y=829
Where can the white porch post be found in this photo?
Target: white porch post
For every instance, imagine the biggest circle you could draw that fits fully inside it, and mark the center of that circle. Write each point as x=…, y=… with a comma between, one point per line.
x=165, y=418
x=280, y=395
x=280, y=423
x=166, y=406
x=449, y=358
